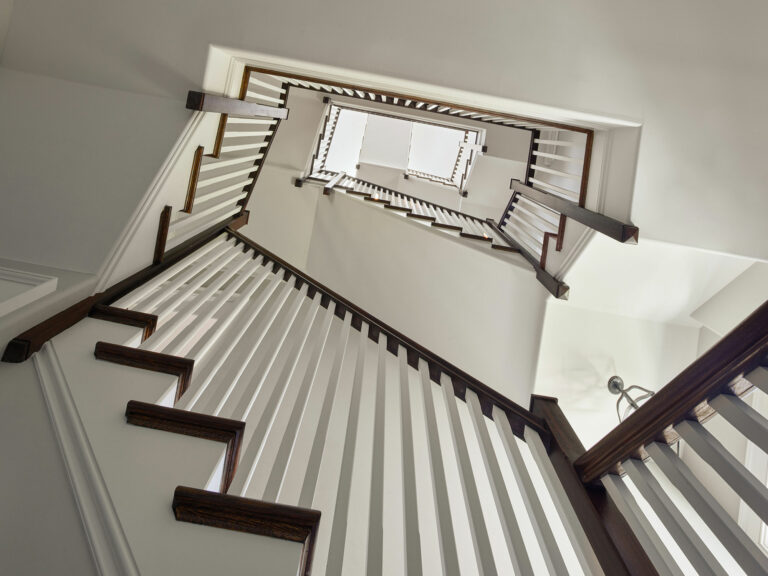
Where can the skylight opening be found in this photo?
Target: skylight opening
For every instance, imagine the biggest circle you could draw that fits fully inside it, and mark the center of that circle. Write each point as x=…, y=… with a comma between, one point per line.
x=437, y=153
x=344, y=150
x=434, y=149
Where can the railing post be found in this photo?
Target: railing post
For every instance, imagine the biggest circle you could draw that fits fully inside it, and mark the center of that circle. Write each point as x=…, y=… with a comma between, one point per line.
x=557, y=288
x=611, y=227
x=613, y=542
x=223, y=105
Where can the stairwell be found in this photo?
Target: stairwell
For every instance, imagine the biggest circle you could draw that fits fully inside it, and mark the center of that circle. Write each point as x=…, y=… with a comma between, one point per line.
x=288, y=429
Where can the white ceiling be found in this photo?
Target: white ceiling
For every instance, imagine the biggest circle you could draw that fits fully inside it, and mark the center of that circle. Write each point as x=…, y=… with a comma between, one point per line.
x=651, y=280
x=628, y=313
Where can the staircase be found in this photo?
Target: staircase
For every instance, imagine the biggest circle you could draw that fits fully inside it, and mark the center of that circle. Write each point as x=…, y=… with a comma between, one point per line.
x=445, y=219
x=290, y=431
x=332, y=409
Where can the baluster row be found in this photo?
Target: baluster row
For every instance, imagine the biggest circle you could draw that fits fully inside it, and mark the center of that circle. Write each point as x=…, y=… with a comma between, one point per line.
x=681, y=525
x=339, y=420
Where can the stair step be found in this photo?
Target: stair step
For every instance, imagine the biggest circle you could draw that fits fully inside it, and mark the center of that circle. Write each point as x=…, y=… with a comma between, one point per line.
x=251, y=516
x=192, y=424
x=147, y=360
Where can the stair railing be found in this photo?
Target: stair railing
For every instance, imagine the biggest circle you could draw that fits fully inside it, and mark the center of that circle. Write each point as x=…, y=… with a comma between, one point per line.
x=438, y=216
x=262, y=344
x=221, y=182
x=640, y=448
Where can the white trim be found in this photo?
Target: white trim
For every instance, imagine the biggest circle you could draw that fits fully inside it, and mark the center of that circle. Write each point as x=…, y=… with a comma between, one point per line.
x=143, y=209
x=39, y=285
x=109, y=545
x=423, y=91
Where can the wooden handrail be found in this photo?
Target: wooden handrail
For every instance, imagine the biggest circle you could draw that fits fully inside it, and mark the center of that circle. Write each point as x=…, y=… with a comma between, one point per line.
x=333, y=182
x=611, y=227
x=518, y=416
x=223, y=105
x=718, y=371
x=557, y=288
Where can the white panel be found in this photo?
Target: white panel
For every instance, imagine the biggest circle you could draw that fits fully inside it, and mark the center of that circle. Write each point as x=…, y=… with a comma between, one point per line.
x=386, y=142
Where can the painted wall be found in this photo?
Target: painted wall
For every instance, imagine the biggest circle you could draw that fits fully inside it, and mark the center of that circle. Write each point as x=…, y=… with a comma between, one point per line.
x=76, y=161
x=724, y=310
x=41, y=531
x=6, y=8
x=282, y=216
x=693, y=78
x=481, y=313
x=719, y=314
x=581, y=349
x=70, y=288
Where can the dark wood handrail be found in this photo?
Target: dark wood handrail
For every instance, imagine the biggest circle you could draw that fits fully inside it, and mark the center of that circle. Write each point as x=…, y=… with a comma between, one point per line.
x=611, y=227
x=557, y=288
x=518, y=416
x=718, y=371
x=223, y=105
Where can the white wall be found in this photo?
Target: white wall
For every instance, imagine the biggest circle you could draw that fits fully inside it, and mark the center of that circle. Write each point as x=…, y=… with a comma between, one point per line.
x=581, y=349
x=488, y=190
x=6, y=9
x=41, y=531
x=653, y=280
x=726, y=309
x=70, y=288
x=76, y=161
x=693, y=78
x=282, y=216
x=481, y=313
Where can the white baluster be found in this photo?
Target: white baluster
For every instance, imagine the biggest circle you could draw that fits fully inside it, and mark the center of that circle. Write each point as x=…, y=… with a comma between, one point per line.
x=547, y=543
x=682, y=532
x=298, y=413
x=641, y=527
x=754, y=492
x=166, y=291
x=249, y=338
x=278, y=381
x=482, y=545
x=742, y=548
x=573, y=527
x=744, y=418
x=376, y=520
x=129, y=300
x=252, y=275
x=318, y=444
x=279, y=332
x=446, y=535
x=411, y=536
x=341, y=509
x=170, y=329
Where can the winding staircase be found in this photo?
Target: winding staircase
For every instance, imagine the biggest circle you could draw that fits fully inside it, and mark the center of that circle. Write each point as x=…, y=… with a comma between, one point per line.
x=344, y=436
